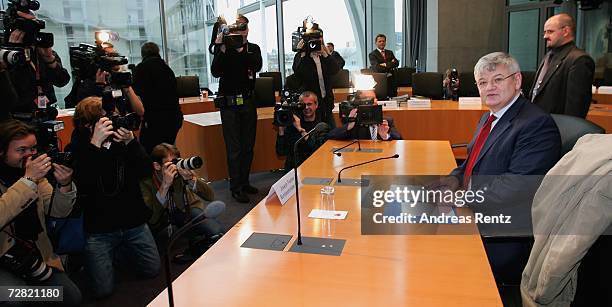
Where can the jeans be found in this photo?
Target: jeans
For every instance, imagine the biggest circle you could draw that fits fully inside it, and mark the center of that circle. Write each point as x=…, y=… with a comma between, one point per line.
x=133, y=247
x=208, y=227
x=72, y=294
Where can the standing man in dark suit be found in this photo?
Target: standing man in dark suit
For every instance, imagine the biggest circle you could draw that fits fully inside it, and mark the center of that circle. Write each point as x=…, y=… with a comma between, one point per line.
x=334, y=54
x=155, y=83
x=384, y=61
x=514, y=140
x=564, y=78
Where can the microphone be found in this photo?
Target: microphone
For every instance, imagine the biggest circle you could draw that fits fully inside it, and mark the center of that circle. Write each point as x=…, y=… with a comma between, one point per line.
x=337, y=151
x=213, y=209
x=395, y=156
x=320, y=127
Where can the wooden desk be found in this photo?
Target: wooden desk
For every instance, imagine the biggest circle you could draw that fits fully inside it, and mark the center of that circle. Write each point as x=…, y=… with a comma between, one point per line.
x=381, y=270
x=602, y=98
x=601, y=114
x=341, y=94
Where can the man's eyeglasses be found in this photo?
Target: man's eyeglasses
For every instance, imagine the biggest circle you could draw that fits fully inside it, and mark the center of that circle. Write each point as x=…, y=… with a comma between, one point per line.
x=496, y=81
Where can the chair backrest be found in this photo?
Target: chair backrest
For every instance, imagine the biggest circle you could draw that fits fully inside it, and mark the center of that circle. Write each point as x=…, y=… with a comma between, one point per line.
x=467, y=85
x=381, y=85
x=188, y=86
x=264, y=92
x=341, y=79
x=607, y=77
x=403, y=76
x=292, y=83
x=428, y=84
x=276, y=75
x=366, y=71
x=572, y=128
x=528, y=77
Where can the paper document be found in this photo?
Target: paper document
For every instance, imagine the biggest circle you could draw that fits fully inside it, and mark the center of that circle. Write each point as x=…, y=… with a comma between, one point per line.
x=327, y=214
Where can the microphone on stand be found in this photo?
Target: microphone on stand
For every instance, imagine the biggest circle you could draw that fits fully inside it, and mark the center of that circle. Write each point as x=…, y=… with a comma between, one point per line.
x=317, y=129
x=395, y=156
x=213, y=209
x=337, y=151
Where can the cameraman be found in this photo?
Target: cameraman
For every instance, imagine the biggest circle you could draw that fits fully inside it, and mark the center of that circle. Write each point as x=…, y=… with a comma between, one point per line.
x=34, y=81
x=175, y=195
x=314, y=70
x=25, y=200
x=385, y=131
x=109, y=164
x=236, y=68
x=287, y=136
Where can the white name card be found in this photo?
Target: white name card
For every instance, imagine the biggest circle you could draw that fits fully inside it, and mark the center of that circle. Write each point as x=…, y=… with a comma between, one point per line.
x=388, y=104
x=469, y=101
x=419, y=103
x=607, y=90
x=284, y=188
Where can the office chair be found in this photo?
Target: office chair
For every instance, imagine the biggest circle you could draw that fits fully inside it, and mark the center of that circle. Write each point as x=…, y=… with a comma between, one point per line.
x=381, y=85
x=278, y=84
x=188, y=86
x=607, y=77
x=264, y=92
x=528, y=78
x=467, y=85
x=572, y=128
x=428, y=84
x=292, y=83
x=341, y=79
x=403, y=76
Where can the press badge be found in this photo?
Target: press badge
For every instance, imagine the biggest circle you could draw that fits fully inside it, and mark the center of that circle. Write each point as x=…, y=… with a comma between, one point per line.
x=42, y=101
x=239, y=100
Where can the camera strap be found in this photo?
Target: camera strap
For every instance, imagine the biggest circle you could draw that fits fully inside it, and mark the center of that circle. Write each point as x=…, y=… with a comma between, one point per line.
x=41, y=99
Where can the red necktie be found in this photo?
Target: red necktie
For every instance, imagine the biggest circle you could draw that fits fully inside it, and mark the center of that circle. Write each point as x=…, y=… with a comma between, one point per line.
x=384, y=55
x=480, y=141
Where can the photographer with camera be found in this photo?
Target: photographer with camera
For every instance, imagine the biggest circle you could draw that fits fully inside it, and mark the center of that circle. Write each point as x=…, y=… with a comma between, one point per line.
x=174, y=194
x=33, y=81
x=314, y=68
x=108, y=166
x=302, y=123
x=450, y=84
x=384, y=131
x=26, y=255
x=235, y=62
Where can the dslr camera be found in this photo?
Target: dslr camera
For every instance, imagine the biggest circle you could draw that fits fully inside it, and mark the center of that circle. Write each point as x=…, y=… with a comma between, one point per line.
x=12, y=56
x=113, y=99
x=11, y=21
x=86, y=59
x=231, y=36
x=24, y=259
x=290, y=104
x=191, y=163
x=310, y=33
x=367, y=112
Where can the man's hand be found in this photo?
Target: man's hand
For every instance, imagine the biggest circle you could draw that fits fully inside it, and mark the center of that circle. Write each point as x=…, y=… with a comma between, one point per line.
x=123, y=135
x=445, y=183
x=36, y=169
x=187, y=174
x=102, y=131
x=46, y=54
x=101, y=76
x=297, y=123
x=16, y=37
x=383, y=131
x=169, y=171
x=62, y=174
x=352, y=114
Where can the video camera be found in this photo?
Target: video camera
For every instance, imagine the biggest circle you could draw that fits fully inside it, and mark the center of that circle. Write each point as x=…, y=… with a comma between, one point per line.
x=113, y=99
x=310, y=33
x=12, y=56
x=11, y=21
x=86, y=59
x=367, y=112
x=290, y=104
x=231, y=36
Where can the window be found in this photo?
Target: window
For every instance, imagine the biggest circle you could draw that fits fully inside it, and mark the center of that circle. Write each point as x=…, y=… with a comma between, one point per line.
x=257, y=31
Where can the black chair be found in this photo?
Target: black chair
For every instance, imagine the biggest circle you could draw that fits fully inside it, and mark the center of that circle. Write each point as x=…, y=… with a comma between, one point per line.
x=428, y=84
x=292, y=83
x=264, y=92
x=403, y=76
x=467, y=85
x=278, y=84
x=572, y=128
x=528, y=77
x=188, y=86
x=341, y=79
x=607, y=77
x=381, y=85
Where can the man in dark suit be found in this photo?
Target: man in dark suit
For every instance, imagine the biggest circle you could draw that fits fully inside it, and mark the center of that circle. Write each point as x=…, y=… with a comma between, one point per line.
x=384, y=61
x=514, y=140
x=334, y=54
x=564, y=78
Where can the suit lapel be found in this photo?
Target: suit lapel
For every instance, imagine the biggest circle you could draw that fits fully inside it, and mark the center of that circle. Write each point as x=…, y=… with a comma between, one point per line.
x=501, y=127
x=552, y=67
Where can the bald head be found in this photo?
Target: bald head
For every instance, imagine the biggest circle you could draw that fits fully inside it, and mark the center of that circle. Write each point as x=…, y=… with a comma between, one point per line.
x=559, y=30
x=565, y=20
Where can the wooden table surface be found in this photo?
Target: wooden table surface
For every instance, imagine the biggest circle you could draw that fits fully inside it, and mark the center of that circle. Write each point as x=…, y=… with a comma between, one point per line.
x=380, y=270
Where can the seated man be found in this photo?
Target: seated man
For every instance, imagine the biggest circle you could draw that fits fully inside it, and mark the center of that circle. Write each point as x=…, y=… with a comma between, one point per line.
x=512, y=141
x=287, y=136
x=386, y=131
x=173, y=195
x=108, y=166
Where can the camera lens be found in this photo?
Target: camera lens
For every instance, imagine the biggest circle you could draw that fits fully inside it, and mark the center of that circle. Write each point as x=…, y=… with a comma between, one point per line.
x=189, y=163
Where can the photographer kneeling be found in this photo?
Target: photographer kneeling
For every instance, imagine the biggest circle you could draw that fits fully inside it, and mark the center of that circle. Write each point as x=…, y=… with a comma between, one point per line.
x=287, y=136
x=174, y=194
x=109, y=164
x=385, y=131
x=26, y=253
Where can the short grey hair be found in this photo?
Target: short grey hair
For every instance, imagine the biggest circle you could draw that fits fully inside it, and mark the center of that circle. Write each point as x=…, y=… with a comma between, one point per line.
x=309, y=94
x=491, y=60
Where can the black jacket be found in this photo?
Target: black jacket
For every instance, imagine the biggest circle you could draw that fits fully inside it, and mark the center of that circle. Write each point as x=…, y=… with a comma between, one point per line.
x=155, y=83
x=9, y=97
x=285, y=143
x=566, y=87
x=109, y=183
x=305, y=69
x=25, y=84
x=376, y=59
x=339, y=59
x=236, y=70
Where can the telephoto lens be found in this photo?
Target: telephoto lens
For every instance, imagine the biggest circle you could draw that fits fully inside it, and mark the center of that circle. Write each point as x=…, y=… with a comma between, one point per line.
x=191, y=163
